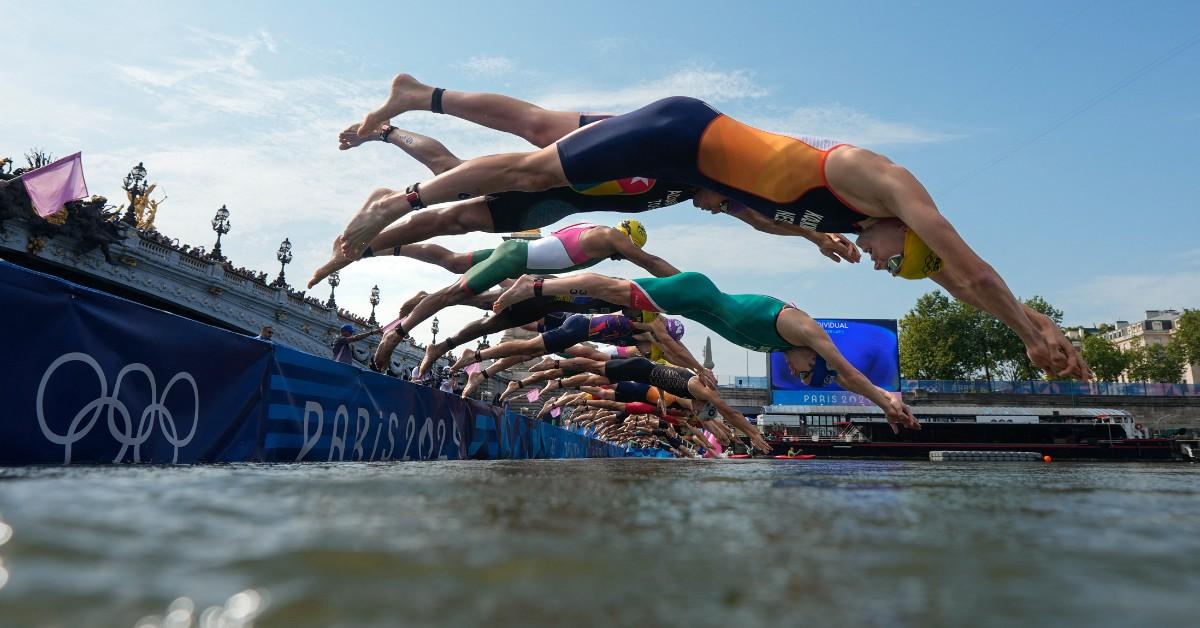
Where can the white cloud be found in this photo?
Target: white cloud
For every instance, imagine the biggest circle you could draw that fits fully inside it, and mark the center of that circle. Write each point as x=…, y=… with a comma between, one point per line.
x=1125, y=297
x=716, y=86
x=846, y=124
x=487, y=65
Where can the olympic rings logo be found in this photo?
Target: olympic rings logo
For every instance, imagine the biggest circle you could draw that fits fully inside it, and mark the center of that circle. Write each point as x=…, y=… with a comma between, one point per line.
x=120, y=421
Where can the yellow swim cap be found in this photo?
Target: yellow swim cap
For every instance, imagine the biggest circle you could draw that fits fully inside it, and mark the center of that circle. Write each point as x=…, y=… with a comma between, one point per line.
x=635, y=230
x=919, y=260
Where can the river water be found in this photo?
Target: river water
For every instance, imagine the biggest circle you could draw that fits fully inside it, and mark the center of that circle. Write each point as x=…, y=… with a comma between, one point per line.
x=602, y=542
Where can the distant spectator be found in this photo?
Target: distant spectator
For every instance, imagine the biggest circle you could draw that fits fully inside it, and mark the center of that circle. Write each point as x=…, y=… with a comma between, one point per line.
x=342, y=349
x=424, y=380
x=266, y=333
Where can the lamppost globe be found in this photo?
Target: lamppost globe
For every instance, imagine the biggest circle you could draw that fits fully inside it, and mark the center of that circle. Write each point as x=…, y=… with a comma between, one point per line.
x=374, y=300
x=334, y=280
x=136, y=175
x=284, y=255
x=220, y=224
x=135, y=185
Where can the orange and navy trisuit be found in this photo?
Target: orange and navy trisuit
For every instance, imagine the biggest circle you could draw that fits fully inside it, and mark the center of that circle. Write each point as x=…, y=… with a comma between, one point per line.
x=518, y=211
x=684, y=139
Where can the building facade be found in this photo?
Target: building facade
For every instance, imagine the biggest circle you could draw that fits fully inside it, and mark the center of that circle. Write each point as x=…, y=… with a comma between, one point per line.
x=1157, y=328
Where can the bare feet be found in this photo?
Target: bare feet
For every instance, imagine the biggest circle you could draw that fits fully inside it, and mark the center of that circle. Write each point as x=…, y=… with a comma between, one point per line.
x=519, y=291
x=473, y=382
x=408, y=94
x=368, y=222
x=387, y=345
x=350, y=138
x=545, y=365
x=469, y=356
x=432, y=353
x=512, y=388
x=550, y=385
x=337, y=262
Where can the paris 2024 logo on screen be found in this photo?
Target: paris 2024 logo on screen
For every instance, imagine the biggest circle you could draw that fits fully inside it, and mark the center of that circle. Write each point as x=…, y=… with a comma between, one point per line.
x=869, y=344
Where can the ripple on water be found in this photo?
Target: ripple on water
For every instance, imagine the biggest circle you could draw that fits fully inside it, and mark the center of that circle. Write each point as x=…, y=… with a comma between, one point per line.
x=632, y=542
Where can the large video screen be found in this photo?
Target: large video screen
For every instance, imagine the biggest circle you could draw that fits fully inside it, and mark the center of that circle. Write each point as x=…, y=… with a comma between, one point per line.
x=869, y=344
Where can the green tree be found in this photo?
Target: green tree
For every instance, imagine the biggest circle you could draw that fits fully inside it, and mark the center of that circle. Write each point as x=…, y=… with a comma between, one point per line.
x=933, y=339
x=1157, y=363
x=1104, y=357
x=1187, y=334
x=945, y=339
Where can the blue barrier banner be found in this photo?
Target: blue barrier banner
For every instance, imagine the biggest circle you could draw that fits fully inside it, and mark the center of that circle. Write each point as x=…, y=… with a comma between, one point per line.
x=93, y=378
x=323, y=410
x=1042, y=387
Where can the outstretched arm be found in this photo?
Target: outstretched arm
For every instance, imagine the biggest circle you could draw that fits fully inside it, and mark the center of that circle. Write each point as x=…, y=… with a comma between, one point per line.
x=835, y=246
x=625, y=247
x=951, y=278
x=357, y=337
x=675, y=351
x=973, y=280
x=735, y=418
x=812, y=335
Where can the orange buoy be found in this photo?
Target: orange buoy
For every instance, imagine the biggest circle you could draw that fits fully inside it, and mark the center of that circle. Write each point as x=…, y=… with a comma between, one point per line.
x=1046, y=458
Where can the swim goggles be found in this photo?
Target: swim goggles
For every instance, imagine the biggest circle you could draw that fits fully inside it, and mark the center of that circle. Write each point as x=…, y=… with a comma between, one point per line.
x=894, y=262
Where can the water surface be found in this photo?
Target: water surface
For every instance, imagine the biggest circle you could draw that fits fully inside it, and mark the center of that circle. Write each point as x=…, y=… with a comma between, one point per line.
x=604, y=542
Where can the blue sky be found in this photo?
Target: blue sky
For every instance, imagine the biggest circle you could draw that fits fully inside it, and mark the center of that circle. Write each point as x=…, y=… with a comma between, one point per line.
x=240, y=104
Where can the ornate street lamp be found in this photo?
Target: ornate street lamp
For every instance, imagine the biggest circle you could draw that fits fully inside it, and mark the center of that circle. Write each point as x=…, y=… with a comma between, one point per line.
x=483, y=344
x=135, y=185
x=284, y=255
x=220, y=224
x=435, y=329
x=334, y=280
x=374, y=301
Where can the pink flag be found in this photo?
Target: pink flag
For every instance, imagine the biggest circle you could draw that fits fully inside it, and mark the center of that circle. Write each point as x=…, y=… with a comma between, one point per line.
x=474, y=368
x=54, y=185
x=533, y=395
x=555, y=412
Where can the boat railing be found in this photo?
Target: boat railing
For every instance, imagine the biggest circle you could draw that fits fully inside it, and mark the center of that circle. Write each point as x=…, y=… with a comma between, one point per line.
x=826, y=435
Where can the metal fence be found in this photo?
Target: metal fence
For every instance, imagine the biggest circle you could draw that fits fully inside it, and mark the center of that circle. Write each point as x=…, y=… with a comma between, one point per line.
x=1051, y=388
x=746, y=381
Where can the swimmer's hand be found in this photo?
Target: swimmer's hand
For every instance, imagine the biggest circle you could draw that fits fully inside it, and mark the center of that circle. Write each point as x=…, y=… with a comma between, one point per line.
x=1060, y=355
x=899, y=415
x=837, y=247
x=759, y=443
